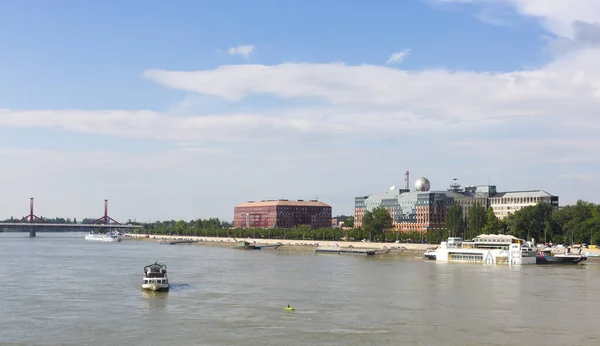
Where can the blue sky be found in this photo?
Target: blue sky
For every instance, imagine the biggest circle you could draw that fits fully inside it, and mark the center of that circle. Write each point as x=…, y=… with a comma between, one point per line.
x=184, y=109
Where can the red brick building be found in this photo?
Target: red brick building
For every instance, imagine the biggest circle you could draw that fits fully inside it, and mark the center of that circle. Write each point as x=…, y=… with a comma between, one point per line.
x=282, y=214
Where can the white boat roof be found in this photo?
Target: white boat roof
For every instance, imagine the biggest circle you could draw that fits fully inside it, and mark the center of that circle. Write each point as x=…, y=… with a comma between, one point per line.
x=495, y=237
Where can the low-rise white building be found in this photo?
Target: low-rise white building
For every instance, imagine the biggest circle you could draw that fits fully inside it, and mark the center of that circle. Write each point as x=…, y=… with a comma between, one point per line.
x=505, y=203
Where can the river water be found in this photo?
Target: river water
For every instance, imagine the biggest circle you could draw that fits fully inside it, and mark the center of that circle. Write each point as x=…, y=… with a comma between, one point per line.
x=59, y=289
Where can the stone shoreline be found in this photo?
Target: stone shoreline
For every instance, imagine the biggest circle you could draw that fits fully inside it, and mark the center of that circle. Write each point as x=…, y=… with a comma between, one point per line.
x=297, y=245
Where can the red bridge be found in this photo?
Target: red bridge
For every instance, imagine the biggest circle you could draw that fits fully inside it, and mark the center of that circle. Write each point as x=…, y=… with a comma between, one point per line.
x=29, y=222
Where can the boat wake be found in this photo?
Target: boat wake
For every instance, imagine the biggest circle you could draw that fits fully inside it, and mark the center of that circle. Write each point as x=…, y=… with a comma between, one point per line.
x=181, y=287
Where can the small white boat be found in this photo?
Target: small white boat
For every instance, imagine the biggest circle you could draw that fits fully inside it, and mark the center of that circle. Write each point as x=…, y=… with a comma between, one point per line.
x=430, y=253
x=106, y=237
x=155, y=278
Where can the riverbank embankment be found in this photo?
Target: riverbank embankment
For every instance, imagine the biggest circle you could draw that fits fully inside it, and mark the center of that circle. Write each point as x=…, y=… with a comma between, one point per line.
x=288, y=244
x=311, y=245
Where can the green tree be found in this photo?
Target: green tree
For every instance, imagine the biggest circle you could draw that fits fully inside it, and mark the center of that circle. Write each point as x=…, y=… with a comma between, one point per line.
x=349, y=222
x=530, y=222
x=180, y=228
x=368, y=223
x=476, y=220
x=493, y=225
x=455, y=222
x=571, y=221
x=376, y=221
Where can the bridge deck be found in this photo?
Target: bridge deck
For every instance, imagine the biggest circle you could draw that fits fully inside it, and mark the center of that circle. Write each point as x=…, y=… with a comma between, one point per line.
x=64, y=225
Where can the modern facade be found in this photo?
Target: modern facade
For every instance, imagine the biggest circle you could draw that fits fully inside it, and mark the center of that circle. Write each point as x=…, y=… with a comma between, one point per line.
x=282, y=213
x=410, y=210
x=422, y=209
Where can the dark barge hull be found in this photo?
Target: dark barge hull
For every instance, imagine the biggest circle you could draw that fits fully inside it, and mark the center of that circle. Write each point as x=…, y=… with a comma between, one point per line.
x=559, y=260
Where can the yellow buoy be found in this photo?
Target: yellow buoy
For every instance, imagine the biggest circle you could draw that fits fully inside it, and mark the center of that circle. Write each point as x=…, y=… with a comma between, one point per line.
x=289, y=308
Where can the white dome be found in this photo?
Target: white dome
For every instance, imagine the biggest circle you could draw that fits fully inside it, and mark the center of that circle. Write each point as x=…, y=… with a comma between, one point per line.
x=392, y=188
x=422, y=184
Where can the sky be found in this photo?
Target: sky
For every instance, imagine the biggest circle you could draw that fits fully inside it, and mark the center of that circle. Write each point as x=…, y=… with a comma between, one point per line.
x=184, y=109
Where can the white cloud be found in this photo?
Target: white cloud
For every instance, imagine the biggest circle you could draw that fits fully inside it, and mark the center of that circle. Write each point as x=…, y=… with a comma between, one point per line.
x=557, y=16
x=365, y=100
x=398, y=57
x=243, y=50
x=566, y=86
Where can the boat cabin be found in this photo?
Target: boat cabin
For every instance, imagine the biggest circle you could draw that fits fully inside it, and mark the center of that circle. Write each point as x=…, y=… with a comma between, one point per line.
x=155, y=271
x=495, y=241
x=454, y=241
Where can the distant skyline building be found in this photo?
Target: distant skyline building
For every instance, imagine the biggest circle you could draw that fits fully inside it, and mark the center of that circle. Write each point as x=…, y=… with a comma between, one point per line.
x=421, y=209
x=282, y=213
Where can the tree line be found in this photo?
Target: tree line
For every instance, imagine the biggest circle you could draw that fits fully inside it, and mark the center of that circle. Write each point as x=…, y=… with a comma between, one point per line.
x=54, y=220
x=578, y=223
x=214, y=227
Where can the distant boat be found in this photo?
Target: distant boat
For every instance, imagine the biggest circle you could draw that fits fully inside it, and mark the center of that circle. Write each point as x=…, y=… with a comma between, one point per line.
x=545, y=256
x=155, y=278
x=348, y=251
x=175, y=242
x=106, y=237
x=246, y=245
x=430, y=253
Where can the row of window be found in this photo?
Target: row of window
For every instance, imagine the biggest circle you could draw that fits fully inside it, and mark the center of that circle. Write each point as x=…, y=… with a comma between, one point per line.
x=516, y=200
x=155, y=281
x=466, y=257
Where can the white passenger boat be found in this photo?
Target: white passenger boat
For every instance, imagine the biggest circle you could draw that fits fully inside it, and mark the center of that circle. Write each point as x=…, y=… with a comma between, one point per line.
x=155, y=278
x=106, y=237
x=488, y=249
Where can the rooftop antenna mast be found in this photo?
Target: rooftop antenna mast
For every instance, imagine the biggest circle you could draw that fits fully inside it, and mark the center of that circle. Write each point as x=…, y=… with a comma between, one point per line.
x=406, y=180
x=454, y=186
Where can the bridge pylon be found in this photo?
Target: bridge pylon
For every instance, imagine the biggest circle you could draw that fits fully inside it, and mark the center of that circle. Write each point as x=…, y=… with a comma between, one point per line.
x=105, y=218
x=32, y=217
